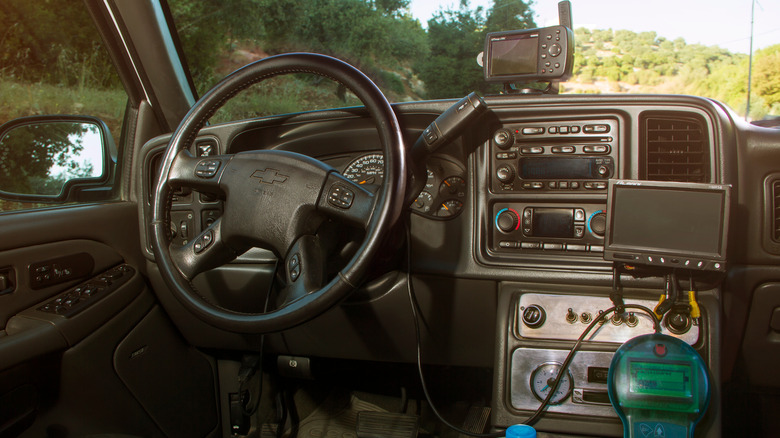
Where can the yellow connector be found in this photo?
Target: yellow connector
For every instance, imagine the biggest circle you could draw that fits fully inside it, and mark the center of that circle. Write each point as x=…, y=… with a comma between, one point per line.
x=695, y=312
x=661, y=300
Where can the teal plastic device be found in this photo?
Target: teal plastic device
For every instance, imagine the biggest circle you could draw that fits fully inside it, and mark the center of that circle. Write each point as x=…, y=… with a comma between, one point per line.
x=659, y=387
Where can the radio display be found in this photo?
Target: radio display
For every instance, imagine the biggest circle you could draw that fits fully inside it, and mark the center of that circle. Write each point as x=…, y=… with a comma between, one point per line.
x=556, y=168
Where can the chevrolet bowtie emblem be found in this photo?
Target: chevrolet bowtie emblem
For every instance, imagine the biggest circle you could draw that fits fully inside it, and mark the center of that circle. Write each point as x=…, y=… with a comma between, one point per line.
x=269, y=176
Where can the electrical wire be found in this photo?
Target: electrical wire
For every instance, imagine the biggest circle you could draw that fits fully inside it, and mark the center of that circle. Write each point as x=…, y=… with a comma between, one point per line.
x=562, y=371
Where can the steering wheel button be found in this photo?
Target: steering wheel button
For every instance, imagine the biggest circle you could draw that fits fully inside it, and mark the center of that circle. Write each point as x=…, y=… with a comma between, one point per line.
x=341, y=196
x=207, y=168
x=294, y=261
x=295, y=273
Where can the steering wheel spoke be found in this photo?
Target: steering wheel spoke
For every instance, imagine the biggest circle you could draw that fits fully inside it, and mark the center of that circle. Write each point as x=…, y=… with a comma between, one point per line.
x=206, y=251
x=304, y=269
x=344, y=200
x=199, y=173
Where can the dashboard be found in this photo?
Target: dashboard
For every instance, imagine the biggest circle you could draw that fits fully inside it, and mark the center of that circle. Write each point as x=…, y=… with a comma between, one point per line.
x=507, y=238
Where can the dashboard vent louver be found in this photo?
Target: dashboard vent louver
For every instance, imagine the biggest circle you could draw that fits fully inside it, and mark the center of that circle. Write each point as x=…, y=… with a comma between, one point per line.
x=776, y=210
x=676, y=148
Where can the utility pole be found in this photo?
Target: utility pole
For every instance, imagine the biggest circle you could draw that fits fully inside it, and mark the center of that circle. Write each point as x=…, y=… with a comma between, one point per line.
x=750, y=60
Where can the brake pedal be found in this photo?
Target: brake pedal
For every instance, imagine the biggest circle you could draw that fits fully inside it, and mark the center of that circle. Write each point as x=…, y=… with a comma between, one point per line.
x=386, y=425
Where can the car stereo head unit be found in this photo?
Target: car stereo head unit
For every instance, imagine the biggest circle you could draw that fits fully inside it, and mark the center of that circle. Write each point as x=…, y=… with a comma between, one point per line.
x=678, y=225
x=529, y=55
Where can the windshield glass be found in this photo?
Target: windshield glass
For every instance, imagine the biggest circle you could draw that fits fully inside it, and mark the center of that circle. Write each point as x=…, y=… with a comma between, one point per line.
x=422, y=49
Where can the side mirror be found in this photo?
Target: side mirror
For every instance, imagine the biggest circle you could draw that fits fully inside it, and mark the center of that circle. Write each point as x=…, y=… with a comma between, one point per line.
x=55, y=159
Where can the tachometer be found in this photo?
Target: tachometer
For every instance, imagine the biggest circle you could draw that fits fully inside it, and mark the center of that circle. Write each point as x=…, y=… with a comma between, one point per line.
x=368, y=169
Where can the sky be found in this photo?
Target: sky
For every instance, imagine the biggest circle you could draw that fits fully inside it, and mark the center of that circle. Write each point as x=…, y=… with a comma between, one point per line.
x=724, y=23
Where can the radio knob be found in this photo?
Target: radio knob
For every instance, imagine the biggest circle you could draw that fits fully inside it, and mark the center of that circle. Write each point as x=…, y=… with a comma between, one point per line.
x=503, y=138
x=603, y=171
x=507, y=220
x=505, y=174
x=598, y=223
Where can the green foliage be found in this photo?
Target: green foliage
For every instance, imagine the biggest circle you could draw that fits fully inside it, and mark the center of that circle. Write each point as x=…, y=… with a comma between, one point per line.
x=35, y=46
x=648, y=63
x=766, y=75
x=455, y=37
x=509, y=15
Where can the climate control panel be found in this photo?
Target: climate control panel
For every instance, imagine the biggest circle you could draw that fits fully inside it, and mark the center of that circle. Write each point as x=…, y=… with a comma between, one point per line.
x=519, y=227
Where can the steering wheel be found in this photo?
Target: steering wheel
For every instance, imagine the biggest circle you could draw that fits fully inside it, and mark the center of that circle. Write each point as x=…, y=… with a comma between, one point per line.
x=276, y=200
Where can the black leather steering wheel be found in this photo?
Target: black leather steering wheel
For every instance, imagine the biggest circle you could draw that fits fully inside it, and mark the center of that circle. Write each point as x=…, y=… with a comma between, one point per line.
x=276, y=200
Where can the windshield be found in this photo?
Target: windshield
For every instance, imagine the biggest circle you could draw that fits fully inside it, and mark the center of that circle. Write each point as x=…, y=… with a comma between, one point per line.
x=416, y=50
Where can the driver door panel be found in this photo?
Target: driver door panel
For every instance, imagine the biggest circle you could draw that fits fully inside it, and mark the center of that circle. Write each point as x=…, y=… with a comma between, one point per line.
x=81, y=372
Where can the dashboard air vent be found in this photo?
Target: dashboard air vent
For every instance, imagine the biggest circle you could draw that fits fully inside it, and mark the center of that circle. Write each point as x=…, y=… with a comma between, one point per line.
x=676, y=148
x=776, y=210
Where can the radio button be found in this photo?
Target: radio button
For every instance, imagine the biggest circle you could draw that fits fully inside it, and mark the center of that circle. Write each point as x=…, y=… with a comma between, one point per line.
x=595, y=149
x=579, y=231
x=579, y=215
x=597, y=248
x=588, y=186
x=537, y=185
x=563, y=129
x=574, y=185
x=506, y=156
x=552, y=185
x=507, y=244
x=563, y=149
x=505, y=174
x=600, y=185
x=532, y=150
x=533, y=131
x=593, y=129
x=575, y=129
x=563, y=184
x=530, y=245
x=553, y=247
x=551, y=129
x=576, y=248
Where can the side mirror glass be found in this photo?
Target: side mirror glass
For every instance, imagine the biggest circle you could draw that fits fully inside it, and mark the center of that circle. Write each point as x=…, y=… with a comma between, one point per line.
x=41, y=158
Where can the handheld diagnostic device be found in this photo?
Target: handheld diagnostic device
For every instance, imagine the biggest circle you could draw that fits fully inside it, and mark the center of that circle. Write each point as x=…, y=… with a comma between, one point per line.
x=659, y=387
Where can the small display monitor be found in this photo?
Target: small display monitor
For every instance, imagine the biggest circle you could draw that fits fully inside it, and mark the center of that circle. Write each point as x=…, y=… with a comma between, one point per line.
x=679, y=225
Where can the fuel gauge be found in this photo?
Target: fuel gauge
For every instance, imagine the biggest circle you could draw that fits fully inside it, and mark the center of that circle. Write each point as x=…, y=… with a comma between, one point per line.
x=450, y=208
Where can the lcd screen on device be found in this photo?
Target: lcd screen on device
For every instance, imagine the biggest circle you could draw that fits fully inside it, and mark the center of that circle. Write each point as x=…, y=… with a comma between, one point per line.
x=514, y=55
x=668, y=219
x=660, y=379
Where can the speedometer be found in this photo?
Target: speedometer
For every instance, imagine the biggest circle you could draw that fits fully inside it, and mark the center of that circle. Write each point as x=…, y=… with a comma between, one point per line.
x=368, y=169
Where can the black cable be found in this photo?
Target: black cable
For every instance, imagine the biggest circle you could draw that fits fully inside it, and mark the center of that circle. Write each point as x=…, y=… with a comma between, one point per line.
x=416, y=317
x=554, y=387
x=251, y=406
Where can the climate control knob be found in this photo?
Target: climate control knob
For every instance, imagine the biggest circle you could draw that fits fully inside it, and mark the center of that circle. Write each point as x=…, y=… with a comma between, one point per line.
x=505, y=174
x=507, y=220
x=597, y=223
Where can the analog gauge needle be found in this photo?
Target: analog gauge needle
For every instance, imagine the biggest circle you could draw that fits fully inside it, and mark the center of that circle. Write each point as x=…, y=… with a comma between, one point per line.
x=369, y=180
